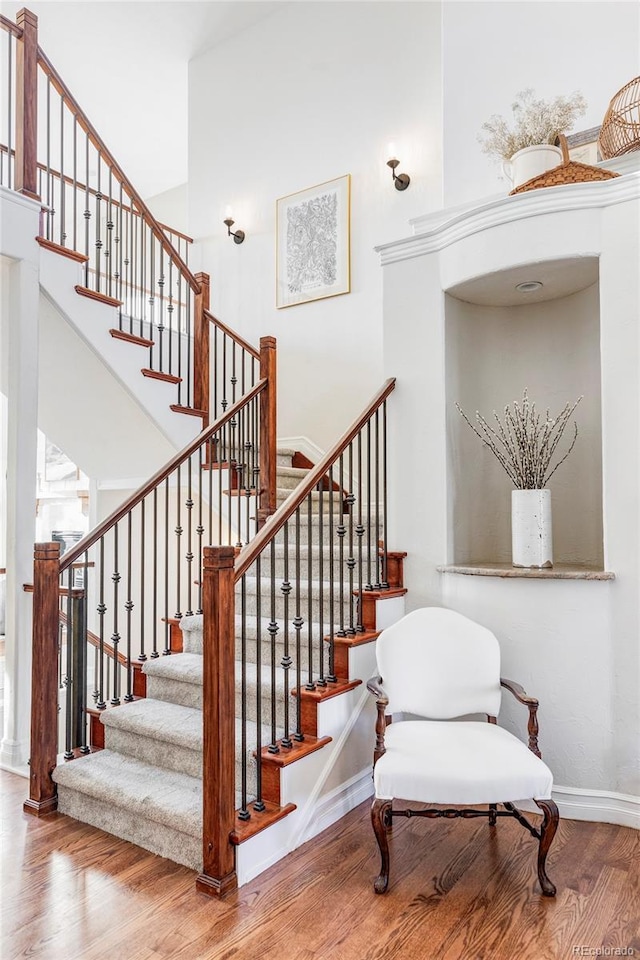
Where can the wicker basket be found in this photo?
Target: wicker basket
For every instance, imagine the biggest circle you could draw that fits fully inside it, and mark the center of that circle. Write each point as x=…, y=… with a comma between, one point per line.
x=620, y=131
x=569, y=171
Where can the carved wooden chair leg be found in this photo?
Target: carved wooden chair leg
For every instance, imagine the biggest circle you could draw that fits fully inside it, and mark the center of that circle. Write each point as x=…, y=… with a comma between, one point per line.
x=492, y=814
x=547, y=833
x=381, y=818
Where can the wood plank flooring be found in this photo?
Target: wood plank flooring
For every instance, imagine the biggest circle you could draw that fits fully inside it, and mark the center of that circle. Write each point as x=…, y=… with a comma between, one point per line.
x=458, y=891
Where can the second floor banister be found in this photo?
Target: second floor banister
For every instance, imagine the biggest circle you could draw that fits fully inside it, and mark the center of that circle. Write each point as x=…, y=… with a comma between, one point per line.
x=273, y=617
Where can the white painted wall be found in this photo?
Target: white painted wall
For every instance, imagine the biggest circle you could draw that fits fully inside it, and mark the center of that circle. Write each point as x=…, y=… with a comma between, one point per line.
x=575, y=643
x=171, y=207
x=311, y=93
x=492, y=50
x=553, y=350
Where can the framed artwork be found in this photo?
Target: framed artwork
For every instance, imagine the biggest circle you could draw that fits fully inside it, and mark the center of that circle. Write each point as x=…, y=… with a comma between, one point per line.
x=313, y=243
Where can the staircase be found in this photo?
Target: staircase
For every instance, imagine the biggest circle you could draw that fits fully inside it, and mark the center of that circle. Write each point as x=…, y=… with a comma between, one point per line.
x=145, y=786
x=211, y=634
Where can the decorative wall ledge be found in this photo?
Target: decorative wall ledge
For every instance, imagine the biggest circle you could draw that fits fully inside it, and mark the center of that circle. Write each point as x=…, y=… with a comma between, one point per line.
x=433, y=233
x=561, y=571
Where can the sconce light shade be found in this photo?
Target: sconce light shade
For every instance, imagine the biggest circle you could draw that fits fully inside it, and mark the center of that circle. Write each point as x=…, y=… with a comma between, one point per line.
x=401, y=180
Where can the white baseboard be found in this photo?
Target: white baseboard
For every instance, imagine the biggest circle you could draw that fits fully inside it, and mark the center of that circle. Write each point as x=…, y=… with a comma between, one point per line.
x=339, y=802
x=302, y=445
x=598, y=806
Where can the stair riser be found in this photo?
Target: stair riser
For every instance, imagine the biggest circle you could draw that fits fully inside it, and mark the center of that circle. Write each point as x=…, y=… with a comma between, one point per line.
x=175, y=691
x=313, y=615
x=120, y=822
x=337, y=509
x=329, y=534
x=157, y=752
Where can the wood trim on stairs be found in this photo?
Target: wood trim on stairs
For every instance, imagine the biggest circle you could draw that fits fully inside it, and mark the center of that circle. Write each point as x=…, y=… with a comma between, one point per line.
x=245, y=829
x=342, y=645
x=158, y=375
x=272, y=763
x=367, y=604
x=63, y=251
x=130, y=338
x=309, y=700
x=190, y=411
x=100, y=297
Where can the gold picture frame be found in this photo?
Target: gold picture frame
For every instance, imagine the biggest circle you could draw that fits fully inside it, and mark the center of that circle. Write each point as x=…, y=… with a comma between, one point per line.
x=313, y=243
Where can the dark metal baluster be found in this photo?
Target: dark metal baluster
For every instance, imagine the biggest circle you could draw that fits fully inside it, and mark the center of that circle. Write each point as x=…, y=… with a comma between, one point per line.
x=143, y=503
x=273, y=634
x=98, y=240
x=234, y=378
x=369, y=584
x=156, y=322
x=156, y=574
x=63, y=233
x=115, y=636
x=87, y=214
x=129, y=607
x=230, y=470
x=286, y=659
x=83, y=739
x=215, y=372
x=224, y=402
x=189, y=294
x=321, y=681
x=74, y=239
x=351, y=559
x=259, y=804
x=182, y=399
x=310, y=685
x=239, y=475
x=331, y=677
x=376, y=478
x=178, y=533
x=119, y=241
x=341, y=535
x=167, y=644
x=108, y=253
x=359, y=534
x=298, y=623
x=210, y=459
x=189, y=555
x=69, y=680
x=50, y=211
x=10, y=108
x=102, y=609
x=173, y=333
x=200, y=527
x=161, y=305
x=385, y=561
x=243, y=813
x=220, y=452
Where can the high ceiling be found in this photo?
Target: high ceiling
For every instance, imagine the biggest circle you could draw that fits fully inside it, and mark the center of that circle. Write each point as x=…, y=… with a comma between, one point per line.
x=127, y=65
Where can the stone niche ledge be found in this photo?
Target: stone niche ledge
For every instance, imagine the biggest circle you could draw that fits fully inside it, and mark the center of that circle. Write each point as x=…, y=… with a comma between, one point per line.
x=560, y=571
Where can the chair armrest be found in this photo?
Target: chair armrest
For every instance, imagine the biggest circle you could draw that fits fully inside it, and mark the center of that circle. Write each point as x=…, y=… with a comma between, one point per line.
x=374, y=686
x=518, y=692
x=530, y=702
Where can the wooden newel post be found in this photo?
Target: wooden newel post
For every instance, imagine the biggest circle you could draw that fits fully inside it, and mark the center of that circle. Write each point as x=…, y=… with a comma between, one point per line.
x=43, y=797
x=268, y=430
x=201, y=348
x=218, y=717
x=26, y=168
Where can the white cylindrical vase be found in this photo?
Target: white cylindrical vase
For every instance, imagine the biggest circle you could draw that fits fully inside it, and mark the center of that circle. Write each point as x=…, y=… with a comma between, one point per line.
x=531, y=162
x=531, y=533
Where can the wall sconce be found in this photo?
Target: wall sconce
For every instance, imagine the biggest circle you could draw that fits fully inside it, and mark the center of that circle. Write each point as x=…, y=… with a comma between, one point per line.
x=238, y=235
x=401, y=180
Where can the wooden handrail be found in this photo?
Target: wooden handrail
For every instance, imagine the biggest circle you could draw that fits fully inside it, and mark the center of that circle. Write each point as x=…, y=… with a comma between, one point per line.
x=10, y=27
x=61, y=87
x=274, y=524
x=231, y=333
x=159, y=476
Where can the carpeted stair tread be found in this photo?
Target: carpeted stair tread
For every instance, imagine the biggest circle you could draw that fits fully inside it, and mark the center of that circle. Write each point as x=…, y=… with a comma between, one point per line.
x=153, y=793
x=158, y=720
x=183, y=667
x=192, y=630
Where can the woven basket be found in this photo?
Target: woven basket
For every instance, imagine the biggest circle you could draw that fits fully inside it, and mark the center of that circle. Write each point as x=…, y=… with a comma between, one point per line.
x=569, y=171
x=620, y=131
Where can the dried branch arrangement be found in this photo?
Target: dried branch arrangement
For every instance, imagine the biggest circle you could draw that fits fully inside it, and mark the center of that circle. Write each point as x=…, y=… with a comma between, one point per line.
x=534, y=121
x=525, y=442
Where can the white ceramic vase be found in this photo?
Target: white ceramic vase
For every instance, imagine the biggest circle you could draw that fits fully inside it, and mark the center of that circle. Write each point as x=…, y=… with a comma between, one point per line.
x=531, y=162
x=531, y=533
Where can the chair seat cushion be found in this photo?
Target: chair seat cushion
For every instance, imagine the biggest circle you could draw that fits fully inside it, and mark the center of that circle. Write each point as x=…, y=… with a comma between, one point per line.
x=458, y=762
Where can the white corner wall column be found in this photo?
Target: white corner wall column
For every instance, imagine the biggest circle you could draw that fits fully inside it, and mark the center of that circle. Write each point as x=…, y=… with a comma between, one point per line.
x=572, y=642
x=20, y=385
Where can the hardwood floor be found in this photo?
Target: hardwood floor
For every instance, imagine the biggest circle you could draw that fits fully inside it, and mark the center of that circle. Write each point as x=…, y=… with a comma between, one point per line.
x=70, y=892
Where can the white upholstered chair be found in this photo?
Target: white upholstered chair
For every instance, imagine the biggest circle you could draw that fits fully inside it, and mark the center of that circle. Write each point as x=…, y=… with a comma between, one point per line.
x=438, y=665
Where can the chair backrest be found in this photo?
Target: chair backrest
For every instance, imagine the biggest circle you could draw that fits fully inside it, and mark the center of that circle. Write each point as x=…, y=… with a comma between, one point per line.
x=437, y=663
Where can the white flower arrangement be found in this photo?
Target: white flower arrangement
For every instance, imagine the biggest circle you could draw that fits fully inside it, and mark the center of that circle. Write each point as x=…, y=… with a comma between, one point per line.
x=534, y=122
x=525, y=443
